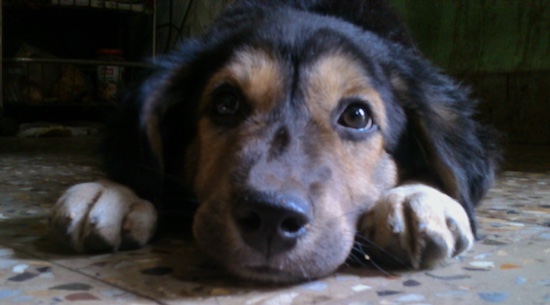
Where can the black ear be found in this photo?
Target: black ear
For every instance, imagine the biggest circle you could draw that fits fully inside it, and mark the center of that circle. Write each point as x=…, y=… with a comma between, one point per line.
x=126, y=150
x=444, y=146
x=144, y=143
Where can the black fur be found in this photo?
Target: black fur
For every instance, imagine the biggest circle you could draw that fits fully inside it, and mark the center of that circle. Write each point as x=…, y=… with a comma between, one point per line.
x=430, y=115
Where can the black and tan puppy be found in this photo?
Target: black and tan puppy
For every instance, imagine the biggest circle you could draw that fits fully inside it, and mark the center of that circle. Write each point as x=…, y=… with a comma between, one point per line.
x=296, y=125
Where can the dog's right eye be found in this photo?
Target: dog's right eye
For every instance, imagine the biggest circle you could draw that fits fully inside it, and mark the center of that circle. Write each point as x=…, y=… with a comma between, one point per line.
x=228, y=107
x=226, y=102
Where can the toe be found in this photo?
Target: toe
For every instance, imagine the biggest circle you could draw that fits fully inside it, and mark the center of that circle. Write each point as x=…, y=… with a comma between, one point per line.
x=463, y=240
x=435, y=251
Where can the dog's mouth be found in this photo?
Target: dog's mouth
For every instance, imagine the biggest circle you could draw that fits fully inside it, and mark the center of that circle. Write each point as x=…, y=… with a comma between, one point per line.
x=273, y=238
x=270, y=274
x=265, y=270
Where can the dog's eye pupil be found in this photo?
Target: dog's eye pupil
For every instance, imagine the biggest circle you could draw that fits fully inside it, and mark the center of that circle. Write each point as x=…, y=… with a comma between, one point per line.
x=356, y=117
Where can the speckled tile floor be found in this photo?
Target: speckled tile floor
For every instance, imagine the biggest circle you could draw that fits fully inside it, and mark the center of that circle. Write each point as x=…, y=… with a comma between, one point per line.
x=509, y=265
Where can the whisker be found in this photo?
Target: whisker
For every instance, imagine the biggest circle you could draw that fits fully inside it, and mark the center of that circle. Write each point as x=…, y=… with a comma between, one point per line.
x=362, y=259
x=379, y=268
x=355, y=258
x=372, y=244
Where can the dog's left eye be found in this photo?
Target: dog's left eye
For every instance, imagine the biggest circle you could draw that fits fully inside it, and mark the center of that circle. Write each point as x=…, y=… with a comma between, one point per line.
x=356, y=116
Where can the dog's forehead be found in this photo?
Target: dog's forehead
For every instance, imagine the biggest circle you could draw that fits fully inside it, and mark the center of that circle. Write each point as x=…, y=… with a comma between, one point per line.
x=256, y=72
x=337, y=76
x=269, y=78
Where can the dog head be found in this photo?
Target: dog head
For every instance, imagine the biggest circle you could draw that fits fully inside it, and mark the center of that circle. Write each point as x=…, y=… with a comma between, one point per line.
x=286, y=125
x=288, y=155
x=292, y=129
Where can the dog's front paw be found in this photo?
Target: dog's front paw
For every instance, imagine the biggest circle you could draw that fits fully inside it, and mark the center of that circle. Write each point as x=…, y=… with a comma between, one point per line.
x=416, y=225
x=103, y=216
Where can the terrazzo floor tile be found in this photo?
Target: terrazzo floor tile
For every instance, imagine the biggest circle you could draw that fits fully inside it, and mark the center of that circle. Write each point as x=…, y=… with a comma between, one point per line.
x=510, y=264
x=29, y=280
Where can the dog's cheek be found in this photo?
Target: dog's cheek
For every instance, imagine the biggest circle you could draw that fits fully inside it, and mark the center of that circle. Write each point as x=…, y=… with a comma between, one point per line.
x=361, y=172
x=212, y=164
x=331, y=234
x=191, y=158
x=385, y=174
x=336, y=241
x=209, y=166
x=366, y=171
x=211, y=230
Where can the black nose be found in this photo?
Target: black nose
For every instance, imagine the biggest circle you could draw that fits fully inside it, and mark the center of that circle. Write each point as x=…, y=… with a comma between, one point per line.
x=271, y=224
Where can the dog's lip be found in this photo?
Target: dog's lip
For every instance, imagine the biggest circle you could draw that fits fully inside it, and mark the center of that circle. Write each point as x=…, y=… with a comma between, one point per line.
x=263, y=269
x=273, y=275
x=266, y=270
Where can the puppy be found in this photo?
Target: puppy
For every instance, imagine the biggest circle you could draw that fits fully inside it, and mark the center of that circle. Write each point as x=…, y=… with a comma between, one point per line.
x=292, y=131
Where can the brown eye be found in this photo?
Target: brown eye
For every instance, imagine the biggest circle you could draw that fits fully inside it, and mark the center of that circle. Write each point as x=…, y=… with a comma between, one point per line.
x=356, y=116
x=226, y=103
x=227, y=106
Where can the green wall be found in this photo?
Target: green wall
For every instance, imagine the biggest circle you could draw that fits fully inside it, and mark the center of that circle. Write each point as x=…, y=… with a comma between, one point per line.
x=469, y=36
x=499, y=47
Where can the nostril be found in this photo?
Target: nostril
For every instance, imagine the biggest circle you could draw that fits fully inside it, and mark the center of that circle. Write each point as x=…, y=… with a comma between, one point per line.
x=293, y=225
x=250, y=221
x=271, y=224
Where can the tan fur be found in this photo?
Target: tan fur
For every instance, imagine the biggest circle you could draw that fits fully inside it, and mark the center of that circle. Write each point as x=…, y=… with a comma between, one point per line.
x=255, y=72
x=365, y=167
x=360, y=170
x=339, y=76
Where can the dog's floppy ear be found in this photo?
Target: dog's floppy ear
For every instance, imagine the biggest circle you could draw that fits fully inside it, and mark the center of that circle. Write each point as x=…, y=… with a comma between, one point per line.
x=153, y=109
x=168, y=125
x=150, y=156
x=127, y=157
x=445, y=146
x=133, y=146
